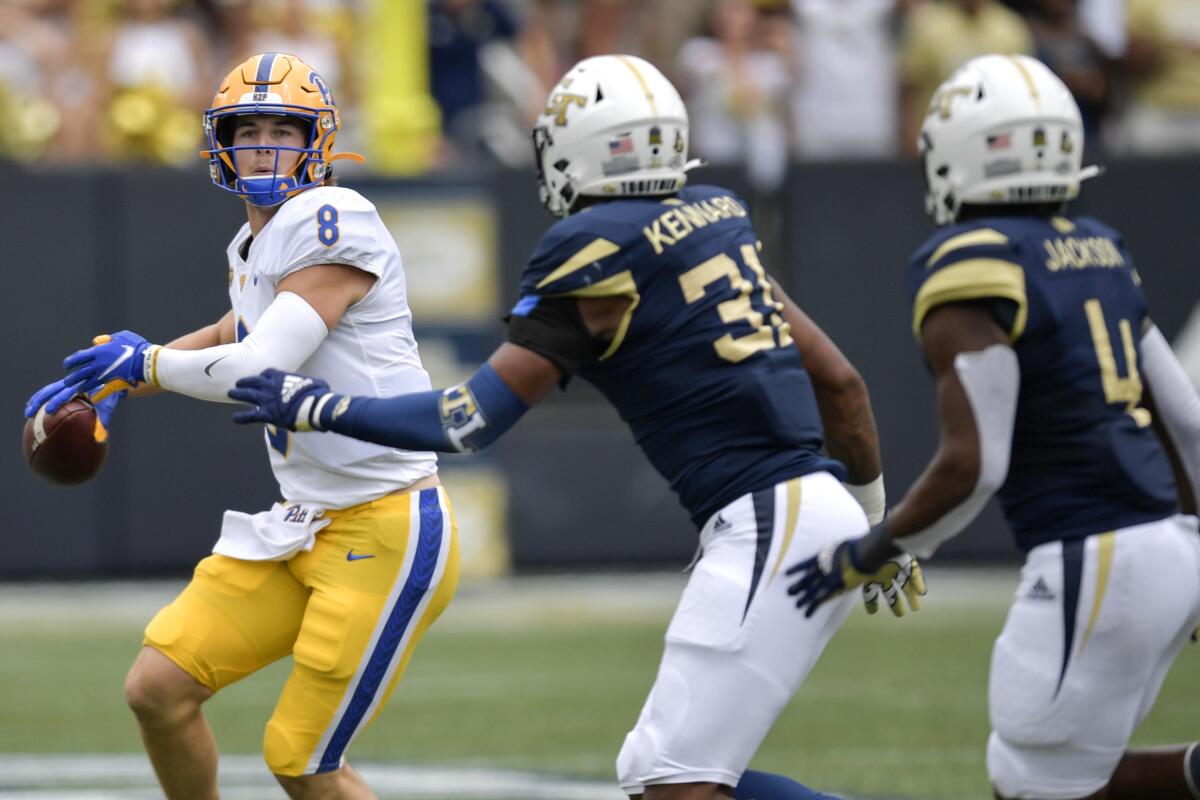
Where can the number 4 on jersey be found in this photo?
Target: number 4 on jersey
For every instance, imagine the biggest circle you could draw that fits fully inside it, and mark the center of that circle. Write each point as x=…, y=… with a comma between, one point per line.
x=1127, y=390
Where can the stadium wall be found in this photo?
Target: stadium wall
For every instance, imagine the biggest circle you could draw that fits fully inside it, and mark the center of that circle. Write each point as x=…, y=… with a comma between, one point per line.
x=100, y=251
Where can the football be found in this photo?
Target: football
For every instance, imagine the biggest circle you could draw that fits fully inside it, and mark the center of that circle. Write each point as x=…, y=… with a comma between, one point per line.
x=62, y=447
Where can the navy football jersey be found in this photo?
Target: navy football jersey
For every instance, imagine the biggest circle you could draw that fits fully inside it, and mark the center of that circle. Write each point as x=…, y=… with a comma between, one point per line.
x=1084, y=457
x=702, y=367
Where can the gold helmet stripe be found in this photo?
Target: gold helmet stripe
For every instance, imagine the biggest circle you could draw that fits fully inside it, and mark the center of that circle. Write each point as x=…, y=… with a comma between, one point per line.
x=637, y=73
x=1028, y=79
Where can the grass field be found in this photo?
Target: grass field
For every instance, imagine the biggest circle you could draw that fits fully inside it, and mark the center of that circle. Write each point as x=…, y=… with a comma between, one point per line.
x=545, y=676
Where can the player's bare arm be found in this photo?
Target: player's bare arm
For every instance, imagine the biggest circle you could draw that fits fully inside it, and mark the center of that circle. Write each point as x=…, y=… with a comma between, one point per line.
x=329, y=289
x=602, y=315
x=529, y=375
x=850, y=433
x=953, y=473
x=974, y=367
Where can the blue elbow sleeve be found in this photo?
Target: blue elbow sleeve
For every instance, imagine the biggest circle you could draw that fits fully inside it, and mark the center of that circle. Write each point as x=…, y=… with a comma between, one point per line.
x=477, y=413
x=466, y=417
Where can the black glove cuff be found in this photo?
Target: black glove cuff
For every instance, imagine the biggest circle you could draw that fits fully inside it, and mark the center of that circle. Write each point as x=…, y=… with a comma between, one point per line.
x=874, y=550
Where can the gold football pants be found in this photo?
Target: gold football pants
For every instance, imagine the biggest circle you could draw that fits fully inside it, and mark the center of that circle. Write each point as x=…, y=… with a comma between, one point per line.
x=351, y=612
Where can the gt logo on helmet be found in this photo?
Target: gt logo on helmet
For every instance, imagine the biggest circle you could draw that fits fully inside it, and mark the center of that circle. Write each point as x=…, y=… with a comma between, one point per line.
x=944, y=99
x=559, y=104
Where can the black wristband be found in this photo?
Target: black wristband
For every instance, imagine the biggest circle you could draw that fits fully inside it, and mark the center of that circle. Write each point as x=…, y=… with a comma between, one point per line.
x=875, y=549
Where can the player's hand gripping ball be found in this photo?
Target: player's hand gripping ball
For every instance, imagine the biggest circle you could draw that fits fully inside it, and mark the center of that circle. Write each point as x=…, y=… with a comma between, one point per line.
x=68, y=446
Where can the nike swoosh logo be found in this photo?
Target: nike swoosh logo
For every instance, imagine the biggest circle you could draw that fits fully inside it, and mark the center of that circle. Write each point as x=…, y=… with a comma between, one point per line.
x=124, y=357
x=208, y=369
x=352, y=557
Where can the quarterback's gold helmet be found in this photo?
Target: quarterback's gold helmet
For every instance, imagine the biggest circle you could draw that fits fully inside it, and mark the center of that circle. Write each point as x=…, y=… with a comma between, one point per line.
x=277, y=84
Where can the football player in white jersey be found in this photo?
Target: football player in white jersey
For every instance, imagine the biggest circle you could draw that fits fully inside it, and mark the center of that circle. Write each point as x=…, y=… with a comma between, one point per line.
x=361, y=557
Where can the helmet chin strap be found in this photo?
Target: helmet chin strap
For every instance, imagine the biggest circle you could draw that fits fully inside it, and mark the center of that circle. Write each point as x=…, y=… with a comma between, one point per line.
x=1093, y=171
x=265, y=190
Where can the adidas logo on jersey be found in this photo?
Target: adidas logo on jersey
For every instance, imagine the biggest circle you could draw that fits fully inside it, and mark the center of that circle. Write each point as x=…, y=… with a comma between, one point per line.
x=1040, y=591
x=291, y=385
x=721, y=524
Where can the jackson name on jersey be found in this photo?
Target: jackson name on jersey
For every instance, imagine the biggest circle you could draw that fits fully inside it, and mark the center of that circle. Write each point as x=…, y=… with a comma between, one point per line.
x=1084, y=457
x=370, y=352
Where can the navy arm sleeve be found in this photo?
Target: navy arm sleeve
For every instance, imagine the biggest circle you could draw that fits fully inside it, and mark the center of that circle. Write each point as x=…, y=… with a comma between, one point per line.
x=466, y=417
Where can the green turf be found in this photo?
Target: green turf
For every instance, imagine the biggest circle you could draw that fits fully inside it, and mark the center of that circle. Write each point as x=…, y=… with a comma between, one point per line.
x=894, y=707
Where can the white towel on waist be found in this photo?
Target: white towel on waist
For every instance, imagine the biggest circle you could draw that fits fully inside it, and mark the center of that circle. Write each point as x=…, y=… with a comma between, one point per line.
x=273, y=535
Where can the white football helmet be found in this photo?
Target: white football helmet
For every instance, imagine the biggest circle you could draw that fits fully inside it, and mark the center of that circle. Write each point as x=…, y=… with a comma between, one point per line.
x=613, y=126
x=1001, y=129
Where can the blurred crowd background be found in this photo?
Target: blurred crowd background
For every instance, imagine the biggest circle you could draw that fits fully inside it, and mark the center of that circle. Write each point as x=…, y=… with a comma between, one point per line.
x=808, y=109
x=439, y=85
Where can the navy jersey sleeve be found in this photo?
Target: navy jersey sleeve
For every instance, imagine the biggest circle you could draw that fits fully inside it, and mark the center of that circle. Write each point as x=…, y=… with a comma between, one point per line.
x=968, y=262
x=576, y=260
x=580, y=257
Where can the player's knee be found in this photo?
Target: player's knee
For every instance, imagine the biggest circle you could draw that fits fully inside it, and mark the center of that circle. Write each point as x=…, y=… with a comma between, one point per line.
x=157, y=689
x=283, y=754
x=342, y=782
x=297, y=786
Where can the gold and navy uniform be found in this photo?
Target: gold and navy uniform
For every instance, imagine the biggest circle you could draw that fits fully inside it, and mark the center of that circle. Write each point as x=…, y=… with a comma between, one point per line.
x=1084, y=456
x=702, y=367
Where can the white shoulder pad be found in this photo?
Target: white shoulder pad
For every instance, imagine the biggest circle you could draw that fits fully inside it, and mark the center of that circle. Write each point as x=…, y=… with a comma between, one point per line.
x=327, y=225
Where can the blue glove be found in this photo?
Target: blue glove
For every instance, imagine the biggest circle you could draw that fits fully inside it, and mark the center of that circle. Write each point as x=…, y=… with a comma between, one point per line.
x=104, y=412
x=114, y=362
x=53, y=396
x=104, y=403
x=826, y=575
x=284, y=399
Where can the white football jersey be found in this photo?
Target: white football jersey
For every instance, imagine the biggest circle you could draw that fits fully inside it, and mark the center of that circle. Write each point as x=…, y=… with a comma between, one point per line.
x=371, y=351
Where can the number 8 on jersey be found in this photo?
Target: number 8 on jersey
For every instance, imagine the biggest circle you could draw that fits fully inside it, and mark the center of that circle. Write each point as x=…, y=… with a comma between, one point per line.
x=327, y=225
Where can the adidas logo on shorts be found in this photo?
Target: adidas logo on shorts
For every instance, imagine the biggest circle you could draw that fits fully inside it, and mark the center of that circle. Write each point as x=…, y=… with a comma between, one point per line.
x=721, y=524
x=1040, y=591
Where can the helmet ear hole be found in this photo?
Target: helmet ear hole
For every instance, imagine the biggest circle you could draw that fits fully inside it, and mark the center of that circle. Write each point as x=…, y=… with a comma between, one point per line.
x=562, y=164
x=943, y=171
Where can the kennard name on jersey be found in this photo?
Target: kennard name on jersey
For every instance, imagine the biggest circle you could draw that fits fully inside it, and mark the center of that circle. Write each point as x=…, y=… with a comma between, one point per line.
x=702, y=367
x=1084, y=456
